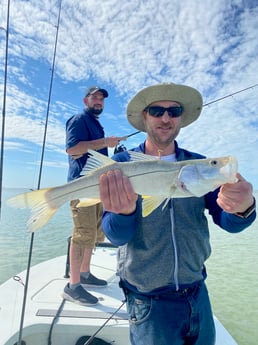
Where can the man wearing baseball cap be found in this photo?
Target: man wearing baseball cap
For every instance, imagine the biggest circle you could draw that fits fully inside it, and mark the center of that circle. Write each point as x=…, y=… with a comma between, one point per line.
x=84, y=132
x=93, y=89
x=161, y=258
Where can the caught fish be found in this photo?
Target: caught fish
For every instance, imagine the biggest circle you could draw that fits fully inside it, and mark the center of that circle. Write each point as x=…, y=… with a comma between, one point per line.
x=156, y=180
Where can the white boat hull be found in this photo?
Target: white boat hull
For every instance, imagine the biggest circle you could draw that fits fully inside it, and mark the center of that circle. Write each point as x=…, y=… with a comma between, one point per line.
x=46, y=284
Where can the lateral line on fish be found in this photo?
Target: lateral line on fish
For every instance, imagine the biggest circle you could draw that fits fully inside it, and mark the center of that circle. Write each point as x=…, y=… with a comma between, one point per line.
x=45, y=202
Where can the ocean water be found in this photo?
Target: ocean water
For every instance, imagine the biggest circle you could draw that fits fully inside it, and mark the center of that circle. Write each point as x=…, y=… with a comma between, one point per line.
x=232, y=268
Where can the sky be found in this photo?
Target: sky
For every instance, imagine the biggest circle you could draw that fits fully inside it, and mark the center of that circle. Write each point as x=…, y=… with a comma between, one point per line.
x=124, y=46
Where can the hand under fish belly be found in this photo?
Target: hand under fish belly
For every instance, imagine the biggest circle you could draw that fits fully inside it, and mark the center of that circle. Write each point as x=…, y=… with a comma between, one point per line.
x=155, y=180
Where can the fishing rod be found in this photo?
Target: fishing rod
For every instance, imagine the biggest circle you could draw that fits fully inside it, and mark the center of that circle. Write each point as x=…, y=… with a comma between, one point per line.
x=230, y=95
x=4, y=101
x=121, y=147
x=91, y=339
x=130, y=135
x=20, y=341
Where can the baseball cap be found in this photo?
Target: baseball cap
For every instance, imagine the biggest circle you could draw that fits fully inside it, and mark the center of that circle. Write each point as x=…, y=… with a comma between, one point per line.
x=92, y=89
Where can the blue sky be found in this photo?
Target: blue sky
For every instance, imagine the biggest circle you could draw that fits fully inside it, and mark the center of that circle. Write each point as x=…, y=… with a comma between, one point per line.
x=124, y=46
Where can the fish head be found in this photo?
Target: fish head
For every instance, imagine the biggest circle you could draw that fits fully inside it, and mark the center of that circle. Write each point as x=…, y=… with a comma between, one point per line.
x=206, y=175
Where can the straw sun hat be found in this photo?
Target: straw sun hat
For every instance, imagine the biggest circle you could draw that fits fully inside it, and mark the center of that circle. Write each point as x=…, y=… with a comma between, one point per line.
x=189, y=98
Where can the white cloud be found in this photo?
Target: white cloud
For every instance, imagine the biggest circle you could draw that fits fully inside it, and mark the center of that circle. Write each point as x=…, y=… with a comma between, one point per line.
x=126, y=45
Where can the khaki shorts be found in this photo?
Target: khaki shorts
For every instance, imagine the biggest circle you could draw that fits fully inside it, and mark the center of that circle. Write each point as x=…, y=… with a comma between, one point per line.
x=87, y=229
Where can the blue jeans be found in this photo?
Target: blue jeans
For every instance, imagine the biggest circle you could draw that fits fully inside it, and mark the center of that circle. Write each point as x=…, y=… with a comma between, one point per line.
x=174, y=318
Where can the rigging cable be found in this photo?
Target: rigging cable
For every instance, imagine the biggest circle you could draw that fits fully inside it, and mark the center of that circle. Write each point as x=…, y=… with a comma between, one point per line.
x=39, y=179
x=89, y=341
x=4, y=101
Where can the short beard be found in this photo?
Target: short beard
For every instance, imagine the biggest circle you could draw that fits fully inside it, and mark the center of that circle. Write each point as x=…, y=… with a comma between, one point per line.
x=160, y=143
x=95, y=112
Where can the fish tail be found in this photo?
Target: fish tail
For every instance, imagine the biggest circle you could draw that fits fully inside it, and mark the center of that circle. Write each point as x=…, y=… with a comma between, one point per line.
x=41, y=208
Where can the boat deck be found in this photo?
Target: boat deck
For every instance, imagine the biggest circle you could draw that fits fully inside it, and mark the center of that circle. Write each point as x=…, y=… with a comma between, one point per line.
x=50, y=320
x=46, y=283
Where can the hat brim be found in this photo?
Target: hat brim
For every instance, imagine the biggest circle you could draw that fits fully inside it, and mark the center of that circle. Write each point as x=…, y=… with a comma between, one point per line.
x=188, y=97
x=104, y=92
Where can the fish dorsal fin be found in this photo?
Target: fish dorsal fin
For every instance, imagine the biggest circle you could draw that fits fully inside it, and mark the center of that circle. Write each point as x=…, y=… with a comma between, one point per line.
x=96, y=160
x=150, y=203
x=139, y=156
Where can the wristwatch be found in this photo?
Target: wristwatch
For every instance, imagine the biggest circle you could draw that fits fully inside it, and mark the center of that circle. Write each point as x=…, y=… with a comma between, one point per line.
x=247, y=212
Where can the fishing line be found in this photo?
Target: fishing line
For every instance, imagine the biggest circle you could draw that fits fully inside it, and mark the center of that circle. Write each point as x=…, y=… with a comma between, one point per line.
x=4, y=100
x=39, y=178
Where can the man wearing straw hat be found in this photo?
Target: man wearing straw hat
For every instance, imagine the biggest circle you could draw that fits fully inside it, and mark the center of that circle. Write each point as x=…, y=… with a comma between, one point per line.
x=161, y=257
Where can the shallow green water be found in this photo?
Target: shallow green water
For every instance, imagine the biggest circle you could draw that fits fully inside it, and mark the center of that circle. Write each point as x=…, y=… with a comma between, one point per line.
x=232, y=267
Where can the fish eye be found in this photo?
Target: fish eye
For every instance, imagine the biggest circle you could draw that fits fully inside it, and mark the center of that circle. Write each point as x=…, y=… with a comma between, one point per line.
x=213, y=162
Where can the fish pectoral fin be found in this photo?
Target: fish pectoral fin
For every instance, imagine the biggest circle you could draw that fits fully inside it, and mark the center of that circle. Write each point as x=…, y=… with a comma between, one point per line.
x=136, y=156
x=150, y=203
x=96, y=160
x=84, y=202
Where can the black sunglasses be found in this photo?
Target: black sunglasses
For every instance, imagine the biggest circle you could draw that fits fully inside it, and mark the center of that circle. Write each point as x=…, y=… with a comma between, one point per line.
x=158, y=111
